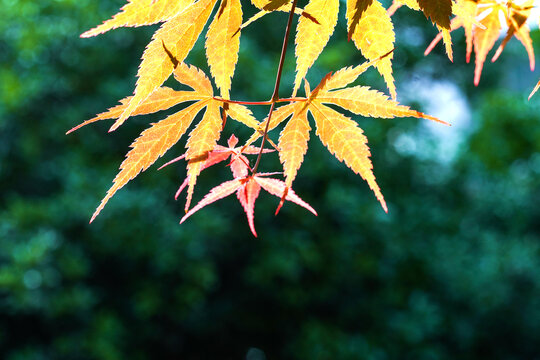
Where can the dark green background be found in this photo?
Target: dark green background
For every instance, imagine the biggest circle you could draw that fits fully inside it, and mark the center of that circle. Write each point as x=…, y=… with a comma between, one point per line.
x=451, y=272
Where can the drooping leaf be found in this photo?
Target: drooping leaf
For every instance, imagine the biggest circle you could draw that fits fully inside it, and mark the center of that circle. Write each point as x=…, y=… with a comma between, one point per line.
x=482, y=23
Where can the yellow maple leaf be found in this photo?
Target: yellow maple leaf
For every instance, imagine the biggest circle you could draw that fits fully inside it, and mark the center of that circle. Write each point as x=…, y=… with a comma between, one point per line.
x=150, y=146
x=169, y=46
x=161, y=99
x=355, y=9
x=364, y=101
x=293, y=142
x=272, y=5
x=223, y=43
x=373, y=33
x=139, y=13
x=243, y=115
x=516, y=17
x=346, y=141
x=194, y=78
x=279, y=115
x=201, y=141
x=439, y=11
x=312, y=37
x=484, y=39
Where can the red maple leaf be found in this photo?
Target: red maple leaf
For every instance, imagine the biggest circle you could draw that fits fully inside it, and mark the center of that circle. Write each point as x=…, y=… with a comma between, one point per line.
x=247, y=190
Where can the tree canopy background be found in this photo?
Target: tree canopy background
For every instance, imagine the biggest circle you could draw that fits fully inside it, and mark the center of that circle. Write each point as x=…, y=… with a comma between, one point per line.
x=453, y=271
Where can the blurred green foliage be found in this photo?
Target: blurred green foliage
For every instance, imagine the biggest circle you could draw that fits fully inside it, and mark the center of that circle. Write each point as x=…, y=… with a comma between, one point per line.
x=452, y=272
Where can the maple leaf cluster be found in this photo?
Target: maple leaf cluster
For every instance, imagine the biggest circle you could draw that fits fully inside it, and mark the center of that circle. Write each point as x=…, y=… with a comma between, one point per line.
x=369, y=26
x=483, y=22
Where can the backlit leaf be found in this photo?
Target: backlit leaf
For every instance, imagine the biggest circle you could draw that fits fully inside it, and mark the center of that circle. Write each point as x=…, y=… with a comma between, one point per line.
x=364, y=101
x=151, y=145
x=223, y=43
x=347, y=142
x=311, y=37
x=141, y=12
x=201, y=141
x=374, y=36
x=169, y=46
x=484, y=39
x=161, y=99
x=293, y=143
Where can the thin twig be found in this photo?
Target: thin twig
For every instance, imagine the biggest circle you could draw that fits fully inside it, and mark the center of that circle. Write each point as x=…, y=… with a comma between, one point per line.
x=242, y=102
x=275, y=95
x=268, y=102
